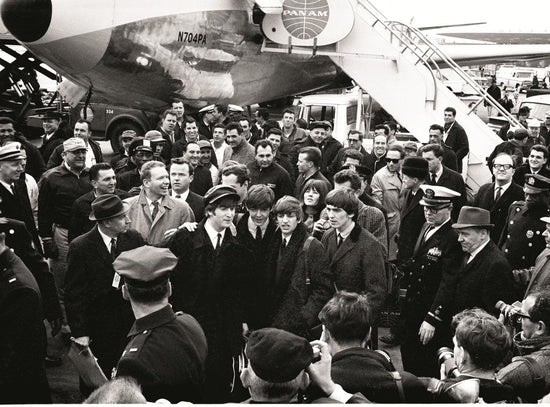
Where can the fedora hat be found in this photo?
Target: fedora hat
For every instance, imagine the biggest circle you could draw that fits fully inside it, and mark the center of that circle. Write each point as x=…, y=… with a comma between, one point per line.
x=106, y=207
x=470, y=217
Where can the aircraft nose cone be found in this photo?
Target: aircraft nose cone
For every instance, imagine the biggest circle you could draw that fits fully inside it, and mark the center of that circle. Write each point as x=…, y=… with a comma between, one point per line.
x=27, y=20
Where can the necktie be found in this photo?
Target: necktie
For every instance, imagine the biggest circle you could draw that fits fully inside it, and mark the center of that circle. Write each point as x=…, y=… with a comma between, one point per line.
x=497, y=195
x=178, y=196
x=428, y=229
x=218, y=243
x=340, y=239
x=258, y=233
x=12, y=189
x=113, y=248
x=434, y=179
x=410, y=198
x=155, y=210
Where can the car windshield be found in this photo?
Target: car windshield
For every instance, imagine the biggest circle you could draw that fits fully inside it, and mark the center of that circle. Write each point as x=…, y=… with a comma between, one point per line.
x=537, y=110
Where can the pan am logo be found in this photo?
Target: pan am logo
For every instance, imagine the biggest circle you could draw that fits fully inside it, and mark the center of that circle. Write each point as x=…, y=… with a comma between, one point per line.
x=305, y=19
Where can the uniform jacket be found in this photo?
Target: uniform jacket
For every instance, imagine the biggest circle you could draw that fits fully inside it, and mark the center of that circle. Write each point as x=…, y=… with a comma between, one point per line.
x=358, y=265
x=274, y=176
x=18, y=207
x=19, y=240
x=484, y=281
x=458, y=141
x=214, y=289
x=22, y=337
x=521, y=239
x=94, y=308
x=412, y=219
x=293, y=305
x=172, y=214
x=80, y=212
x=540, y=278
x=485, y=199
x=166, y=355
x=59, y=188
x=521, y=171
x=453, y=180
x=56, y=158
x=429, y=276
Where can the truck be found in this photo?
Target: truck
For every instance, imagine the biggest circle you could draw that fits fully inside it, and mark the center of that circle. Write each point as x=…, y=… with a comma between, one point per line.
x=509, y=76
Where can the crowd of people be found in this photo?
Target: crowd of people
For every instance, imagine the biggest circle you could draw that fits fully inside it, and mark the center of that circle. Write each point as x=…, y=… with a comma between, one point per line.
x=220, y=259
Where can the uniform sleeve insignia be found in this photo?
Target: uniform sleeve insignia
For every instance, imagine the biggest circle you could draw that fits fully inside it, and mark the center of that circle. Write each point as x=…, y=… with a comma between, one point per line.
x=434, y=253
x=530, y=234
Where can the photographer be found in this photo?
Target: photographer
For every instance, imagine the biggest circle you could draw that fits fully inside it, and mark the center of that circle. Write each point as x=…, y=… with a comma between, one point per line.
x=529, y=373
x=355, y=367
x=481, y=343
x=276, y=372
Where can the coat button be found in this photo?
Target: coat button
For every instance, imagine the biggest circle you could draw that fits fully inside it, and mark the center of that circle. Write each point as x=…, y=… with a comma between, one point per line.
x=530, y=244
x=505, y=250
x=422, y=267
x=11, y=231
x=522, y=257
x=511, y=222
x=508, y=236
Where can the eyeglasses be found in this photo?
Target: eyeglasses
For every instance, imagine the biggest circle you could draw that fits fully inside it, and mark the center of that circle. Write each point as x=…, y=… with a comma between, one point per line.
x=433, y=209
x=519, y=316
x=393, y=160
x=501, y=167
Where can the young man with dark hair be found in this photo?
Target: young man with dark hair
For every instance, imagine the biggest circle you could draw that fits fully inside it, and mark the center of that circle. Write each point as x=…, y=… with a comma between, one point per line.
x=275, y=136
x=211, y=282
x=536, y=164
x=455, y=136
x=436, y=137
x=356, y=256
x=292, y=134
x=308, y=162
x=243, y=152
x=181, y=175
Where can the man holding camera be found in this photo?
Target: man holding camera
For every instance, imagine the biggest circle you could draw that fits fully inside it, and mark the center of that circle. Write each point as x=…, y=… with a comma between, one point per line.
x=428, y=284
x=529, y=373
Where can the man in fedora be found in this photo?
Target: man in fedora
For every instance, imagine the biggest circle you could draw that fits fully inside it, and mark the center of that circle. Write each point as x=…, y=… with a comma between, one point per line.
x=96, y=312
x=485, y=276
x=428, y=284
x=521, y=239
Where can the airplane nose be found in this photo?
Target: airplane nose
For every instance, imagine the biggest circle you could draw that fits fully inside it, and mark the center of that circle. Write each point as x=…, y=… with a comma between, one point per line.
x=27, y=20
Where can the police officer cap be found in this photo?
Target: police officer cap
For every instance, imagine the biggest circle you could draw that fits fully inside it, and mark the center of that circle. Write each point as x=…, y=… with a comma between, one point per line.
x=533, y=122
x=154, y=136
x=11, y=152
x=435, y=195
x=277, y=356
x=207, y=109
x=535, y=184
x=416, y=167
x=319, y=125
x=50, y=115
x=139, y=144
x=145, y=266
x=218, y=192
x=545, y=219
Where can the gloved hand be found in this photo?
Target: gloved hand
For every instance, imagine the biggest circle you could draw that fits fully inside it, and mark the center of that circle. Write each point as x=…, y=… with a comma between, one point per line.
x=50, y=249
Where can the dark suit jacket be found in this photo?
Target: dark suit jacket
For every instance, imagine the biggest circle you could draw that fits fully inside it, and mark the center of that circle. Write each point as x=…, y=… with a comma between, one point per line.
x=56, y=158
x=18, y=207
x=48, y=146
x=458, y=141
x=94, y=308
x=484, y=281
x=449, y=157
x=196, y=202
x=202, y=180
x=412, y=219
x=453, y=180
x=485, y=199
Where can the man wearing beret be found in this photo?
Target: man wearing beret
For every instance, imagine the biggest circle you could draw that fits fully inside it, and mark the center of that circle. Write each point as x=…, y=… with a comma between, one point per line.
x=166, y=352
x=278, y=362
x=428, y=284
x=97, y=314
x=485, y=276
x=521, y=239
x=211, y=282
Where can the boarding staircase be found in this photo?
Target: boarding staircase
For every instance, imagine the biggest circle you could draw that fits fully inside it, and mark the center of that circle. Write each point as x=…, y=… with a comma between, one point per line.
x=397, y=64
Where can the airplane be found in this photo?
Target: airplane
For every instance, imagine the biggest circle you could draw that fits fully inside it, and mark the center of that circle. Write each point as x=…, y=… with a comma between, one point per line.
x=142, y=55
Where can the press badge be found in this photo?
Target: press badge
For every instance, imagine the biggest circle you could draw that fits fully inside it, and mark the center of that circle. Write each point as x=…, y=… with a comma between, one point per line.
x=116, y=281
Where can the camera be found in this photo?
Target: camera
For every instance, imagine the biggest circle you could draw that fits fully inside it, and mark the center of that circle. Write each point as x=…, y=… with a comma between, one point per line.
x=445, y=356
x=508, y=310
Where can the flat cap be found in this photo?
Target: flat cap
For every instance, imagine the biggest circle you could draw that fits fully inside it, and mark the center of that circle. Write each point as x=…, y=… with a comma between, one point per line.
x=145, y=266
x=278, y=356
x=11, y=152
x=317, y=125
x=435, y=195
x=73, y=144
x=128, y=134
x=535, y=184
x=204, y=144
x=410, y=145
x=154, y=136
x=520, y=134
x=218, y=192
